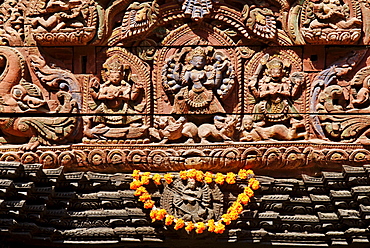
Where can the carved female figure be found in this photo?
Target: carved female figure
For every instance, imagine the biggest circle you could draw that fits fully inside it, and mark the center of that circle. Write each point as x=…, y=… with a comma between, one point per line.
x=199, y=80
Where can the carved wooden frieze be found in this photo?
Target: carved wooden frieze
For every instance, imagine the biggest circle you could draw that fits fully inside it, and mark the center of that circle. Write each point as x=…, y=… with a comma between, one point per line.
x=162, y=85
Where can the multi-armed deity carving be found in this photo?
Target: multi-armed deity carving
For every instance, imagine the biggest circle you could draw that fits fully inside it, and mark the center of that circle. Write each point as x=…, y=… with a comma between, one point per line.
x=192, y=200
x=197, y=83
x=274, y=88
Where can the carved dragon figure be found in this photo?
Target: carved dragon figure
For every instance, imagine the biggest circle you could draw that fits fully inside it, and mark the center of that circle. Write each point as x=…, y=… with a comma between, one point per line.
x=21, y=97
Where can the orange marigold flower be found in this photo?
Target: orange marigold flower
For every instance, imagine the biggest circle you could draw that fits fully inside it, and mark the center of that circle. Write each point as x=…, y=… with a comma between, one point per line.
x=251, y=180
x=148, y=204
x=189, y=226
x=179, y=224
x=200, y=227
x=168, y=177
x=226, y=219
x=157, y=179
x=208, y=177
x=139, y=191
x=192, y=173
x=236, y=206
x=135, y=184
x=183, y=175
x=220, y=178
x=230, y=178
x=199, y=176
x=169, y=220
x=255, y=185
x=144, y=197
x=211, y=225
x=153, y=214
x=219, y=228
x=161, y=214
x=243, y=174
x=136, y=174
x=248, y=191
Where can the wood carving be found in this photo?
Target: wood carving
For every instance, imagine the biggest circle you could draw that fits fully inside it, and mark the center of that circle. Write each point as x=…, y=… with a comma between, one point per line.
x=89, y=88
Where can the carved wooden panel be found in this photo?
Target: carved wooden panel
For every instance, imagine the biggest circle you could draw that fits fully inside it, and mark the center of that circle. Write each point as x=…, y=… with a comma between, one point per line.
x=90, y=87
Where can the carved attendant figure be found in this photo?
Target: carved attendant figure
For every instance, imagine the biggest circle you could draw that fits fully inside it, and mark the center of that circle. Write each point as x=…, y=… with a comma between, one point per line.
x=115, y=95
x=275, y=91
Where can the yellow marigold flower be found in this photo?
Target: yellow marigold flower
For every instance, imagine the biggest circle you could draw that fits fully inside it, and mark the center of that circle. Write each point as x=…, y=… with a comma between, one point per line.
x=220, y=178
x=168, y=178
x=135, y=184
x=248, y=191
x=144, y=197
x=199, y=176
x=243, y=174
x=183, y=175
x=136, y=174
x=145, y=180
x=250, y=172
x=255, y=185
x=233, y=215
x=243, y=198
x=161, y=214
x=169, y=220
x=157, y=179
x=153, y=214
x=226, y=219
x=179, y=224
x=192, y=173
x=211, y=225
x=219, y=228
x=208, y=177
x=230, y=178
x=139, y=191
x=148, y=204
x=200, y=227
x=189, y=226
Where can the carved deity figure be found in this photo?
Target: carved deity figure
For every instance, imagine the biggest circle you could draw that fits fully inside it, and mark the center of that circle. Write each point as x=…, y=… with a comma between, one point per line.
x=331, y=14
x=274, y=93
x=115, y=97
x=192, y=201
x=58, y=15
x=251, y=132
x=199, y=82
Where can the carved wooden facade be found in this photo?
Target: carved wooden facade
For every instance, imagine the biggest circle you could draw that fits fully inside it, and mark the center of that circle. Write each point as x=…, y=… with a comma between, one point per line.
x=91, y=90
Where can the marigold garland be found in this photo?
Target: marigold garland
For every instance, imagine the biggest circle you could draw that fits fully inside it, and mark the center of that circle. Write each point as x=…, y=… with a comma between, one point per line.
x=232, y=213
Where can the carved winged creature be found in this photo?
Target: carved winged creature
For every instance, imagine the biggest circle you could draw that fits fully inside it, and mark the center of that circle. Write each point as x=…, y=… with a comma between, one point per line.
x=196, y=80
x=20, y=96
